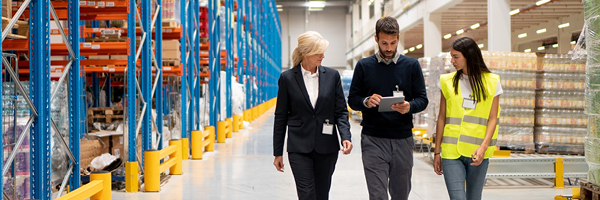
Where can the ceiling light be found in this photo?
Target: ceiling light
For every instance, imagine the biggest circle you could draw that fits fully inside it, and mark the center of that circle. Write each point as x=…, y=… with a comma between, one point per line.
x=541, y=48
x=419, y=46
x=514, y=12
x=315, y=8
x=541, y=31
x=475, y=26
x=412, y=49
x=279, y=9
x=564, y=25
x=405, y=51
x=461, y=31
x=527, y=50
x=369, y=3
x=279, y=5
x=541, y=2
x=447, y=36
x=522, y=35
x=480, y=46
x=573, y=42
x=316, y=4
x=555, y=46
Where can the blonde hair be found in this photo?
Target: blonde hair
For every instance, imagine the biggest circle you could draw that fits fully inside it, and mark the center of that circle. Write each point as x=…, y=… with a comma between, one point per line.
x=309, y=43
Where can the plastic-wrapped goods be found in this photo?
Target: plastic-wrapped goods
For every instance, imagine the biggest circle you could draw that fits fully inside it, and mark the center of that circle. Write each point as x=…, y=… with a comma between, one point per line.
x=592, y=156
x=562, y=62
x=517, y=98
x=559, y=99
x=516, y=138
x=516, y=79
x=558, y=117
x=560, y=139
x=510, y=60
x=516, y=116
x=594, y=126
x=561, y=81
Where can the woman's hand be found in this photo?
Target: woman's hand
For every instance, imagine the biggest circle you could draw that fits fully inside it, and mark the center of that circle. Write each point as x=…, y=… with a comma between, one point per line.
x=278, y=163
x=437, y=164
x=478, y=155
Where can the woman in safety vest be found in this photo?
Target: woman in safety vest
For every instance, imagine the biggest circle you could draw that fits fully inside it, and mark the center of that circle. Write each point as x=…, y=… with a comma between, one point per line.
x=467, y=123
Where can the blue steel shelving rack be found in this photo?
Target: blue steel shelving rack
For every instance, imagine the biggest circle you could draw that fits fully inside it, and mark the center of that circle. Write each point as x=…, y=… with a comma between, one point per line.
x=214, y=56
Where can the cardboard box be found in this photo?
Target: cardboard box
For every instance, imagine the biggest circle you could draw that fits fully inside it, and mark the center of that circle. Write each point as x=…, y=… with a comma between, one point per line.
x=117, y=146
x=171, y=45
x=7, y=8
x=171, y=54
x=118, y=57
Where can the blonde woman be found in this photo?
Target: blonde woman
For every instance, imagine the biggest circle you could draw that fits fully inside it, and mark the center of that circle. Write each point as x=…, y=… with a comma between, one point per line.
x=312, y=107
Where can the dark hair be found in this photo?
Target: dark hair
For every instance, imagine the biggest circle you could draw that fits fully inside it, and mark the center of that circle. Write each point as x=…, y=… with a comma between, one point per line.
x=475, y=66
x=388, y=25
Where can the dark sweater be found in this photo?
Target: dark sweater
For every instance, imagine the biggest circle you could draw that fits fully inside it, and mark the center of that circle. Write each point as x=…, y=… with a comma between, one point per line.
x=372, y=77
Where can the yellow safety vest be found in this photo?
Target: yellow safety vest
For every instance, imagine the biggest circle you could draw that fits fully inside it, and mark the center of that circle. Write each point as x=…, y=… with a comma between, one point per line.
x=465, y=128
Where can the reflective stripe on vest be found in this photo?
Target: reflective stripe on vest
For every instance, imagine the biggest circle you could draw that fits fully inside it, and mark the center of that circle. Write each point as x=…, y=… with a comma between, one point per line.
x=449, y=140
x=474, y=140
x=475, y=120
x=453, y=120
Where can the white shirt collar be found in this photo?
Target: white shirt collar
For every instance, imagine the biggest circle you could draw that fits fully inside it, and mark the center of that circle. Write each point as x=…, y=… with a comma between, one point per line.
x=308, y=73
x=394, y=60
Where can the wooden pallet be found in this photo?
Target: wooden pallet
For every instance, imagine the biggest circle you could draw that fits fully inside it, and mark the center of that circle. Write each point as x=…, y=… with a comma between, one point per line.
x=170, y=24
x=589, y=191
x=105, y=111
x=106, y=39
x=171, y=62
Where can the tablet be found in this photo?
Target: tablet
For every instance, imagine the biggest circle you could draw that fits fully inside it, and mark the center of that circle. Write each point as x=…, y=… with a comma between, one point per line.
x=385, y=105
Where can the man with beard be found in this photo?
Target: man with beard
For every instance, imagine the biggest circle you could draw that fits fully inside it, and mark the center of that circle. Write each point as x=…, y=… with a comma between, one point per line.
x=386, y=138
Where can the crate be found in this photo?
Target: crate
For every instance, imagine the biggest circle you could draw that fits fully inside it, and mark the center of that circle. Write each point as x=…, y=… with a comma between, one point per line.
x=589, y=191
x=171, y=62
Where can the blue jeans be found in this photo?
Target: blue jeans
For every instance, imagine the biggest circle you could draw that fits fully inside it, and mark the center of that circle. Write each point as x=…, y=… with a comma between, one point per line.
x=457, y=171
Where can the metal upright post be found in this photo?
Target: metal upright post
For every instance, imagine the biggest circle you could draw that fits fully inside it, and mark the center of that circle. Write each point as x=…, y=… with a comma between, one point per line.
x=39, y=65
x=75, y=93
x=159, y=87
x=132, y=166
x=1, y=113
x=240, y=42
x=247, y=53
x=214, y=60
x=96, y=89
x=146, y=76
x=184, y=74
x=229, y=57
x=108, y=89
x=190, y=67
x=197, y=59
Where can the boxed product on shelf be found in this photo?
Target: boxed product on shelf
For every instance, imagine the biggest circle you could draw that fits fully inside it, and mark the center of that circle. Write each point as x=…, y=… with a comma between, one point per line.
x=510, y=60
x=516, y=79
x=562, y=62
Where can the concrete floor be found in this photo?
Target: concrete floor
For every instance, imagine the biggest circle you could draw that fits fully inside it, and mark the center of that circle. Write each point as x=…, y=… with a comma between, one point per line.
x=242, y=168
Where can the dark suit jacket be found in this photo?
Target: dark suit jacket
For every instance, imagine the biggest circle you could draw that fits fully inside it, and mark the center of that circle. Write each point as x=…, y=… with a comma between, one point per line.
x=305, y=123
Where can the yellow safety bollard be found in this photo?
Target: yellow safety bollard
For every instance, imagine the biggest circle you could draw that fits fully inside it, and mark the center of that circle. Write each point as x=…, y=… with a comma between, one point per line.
x=211, y=145
x=559, y=181
x=103, y=176
x=236, y=123
x=576, y=192
x=152, y=170
x=221, y=132
x=228, y=128
x=132, y=177
x=177, y=168
x=242, y=117
x=185, y=146
x=197, y=146
x=247, y=115
x=254, y=113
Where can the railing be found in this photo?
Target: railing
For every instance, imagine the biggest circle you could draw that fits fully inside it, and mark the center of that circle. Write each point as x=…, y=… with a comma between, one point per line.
x=237, y=123
x=203, y=141
x=557, y=168
x=99, y=187
x=153, y=168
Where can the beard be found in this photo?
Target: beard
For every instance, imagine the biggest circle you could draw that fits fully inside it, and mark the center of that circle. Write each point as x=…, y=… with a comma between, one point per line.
x=383, y=53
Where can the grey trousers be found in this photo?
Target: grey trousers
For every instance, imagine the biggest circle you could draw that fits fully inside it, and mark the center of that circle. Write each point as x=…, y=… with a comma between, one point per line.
x=388, y=166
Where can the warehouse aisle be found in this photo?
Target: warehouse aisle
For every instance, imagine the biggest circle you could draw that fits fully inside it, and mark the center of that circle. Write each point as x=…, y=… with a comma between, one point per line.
x=242, y=169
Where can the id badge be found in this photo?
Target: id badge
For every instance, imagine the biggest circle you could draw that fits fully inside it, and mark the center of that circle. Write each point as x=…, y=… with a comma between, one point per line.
x=327, y=128
x=469, y=103
x=398, y=94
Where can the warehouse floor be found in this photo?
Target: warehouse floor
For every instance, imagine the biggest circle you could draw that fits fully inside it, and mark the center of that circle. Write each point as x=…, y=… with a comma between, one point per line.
x=242, y=168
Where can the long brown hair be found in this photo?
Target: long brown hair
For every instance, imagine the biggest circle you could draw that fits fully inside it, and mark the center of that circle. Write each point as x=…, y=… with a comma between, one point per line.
x=475, y=66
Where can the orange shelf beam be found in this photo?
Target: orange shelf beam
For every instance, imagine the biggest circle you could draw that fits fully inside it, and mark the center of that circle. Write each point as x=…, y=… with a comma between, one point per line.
x=60, y=49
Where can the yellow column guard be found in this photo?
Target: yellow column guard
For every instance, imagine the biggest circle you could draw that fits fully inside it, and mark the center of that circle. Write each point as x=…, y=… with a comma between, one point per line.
x=228, y=128
x=221, y=132
x=197, y=137
x=132, y=177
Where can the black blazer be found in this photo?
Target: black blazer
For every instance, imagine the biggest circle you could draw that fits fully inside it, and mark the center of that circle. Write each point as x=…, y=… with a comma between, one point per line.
x=305, y=123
